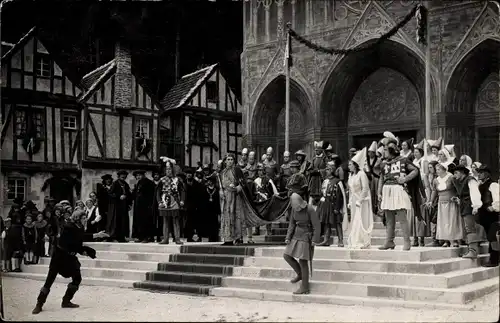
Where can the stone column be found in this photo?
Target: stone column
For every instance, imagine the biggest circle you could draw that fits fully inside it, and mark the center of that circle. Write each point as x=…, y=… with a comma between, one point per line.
x=267, y=7
x=123, y=77
x=255, y=9
x=293, y=13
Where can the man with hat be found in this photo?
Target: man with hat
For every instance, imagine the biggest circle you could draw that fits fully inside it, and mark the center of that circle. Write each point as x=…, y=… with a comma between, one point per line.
x=195, y=189
x=102, y=192
x=489, y=212
x=64, y=261
x=143, y=195
x=397, y=192
x=120, y=202
x=469, y=202
x=304, y=164
x=317, y=170
x=297, y=183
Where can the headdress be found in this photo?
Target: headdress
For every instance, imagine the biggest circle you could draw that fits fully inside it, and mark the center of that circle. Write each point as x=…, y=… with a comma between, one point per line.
x=420, y=145
x=325, y=145
x=264, y=157
x=330, y=165
x=435, y=143
x=373, y=147
x=390, y=141
x=360, y=158
x=297, y=203
x=244, y=151
x=446, y=153
x=300, y=152
x=461, y=168
x=468, y=161
x=122, y=172
x=318, y=145
x=409, y=142
x=380, y=150
x=451, y=150
x=484, y=169
x=169, y=164
x=295, y=163
x=329, y=148
x=477, y=164
x=269, y=150
x=286, y=154
x=139, y=172
x=252, y=153
x=260, y=166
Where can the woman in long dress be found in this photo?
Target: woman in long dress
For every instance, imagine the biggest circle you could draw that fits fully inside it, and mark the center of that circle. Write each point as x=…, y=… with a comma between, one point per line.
x=449, y=224
x=360, y=203
x=421, y=228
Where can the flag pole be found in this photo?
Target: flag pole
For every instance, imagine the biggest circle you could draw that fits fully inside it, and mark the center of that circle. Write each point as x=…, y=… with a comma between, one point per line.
x=287, y=88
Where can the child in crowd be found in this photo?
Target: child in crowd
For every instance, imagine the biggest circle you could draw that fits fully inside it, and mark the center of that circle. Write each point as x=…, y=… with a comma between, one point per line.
x=79, y=205
x=29, y=237
x=13, y=243
x=93, y=217
x=41, y=226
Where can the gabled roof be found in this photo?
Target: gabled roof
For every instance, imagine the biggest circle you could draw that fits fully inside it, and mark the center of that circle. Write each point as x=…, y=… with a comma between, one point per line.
x=186, y=88
x=93, y=80
x=20, y=44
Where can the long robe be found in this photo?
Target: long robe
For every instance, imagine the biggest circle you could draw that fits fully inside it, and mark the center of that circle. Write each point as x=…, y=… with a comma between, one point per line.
x=232, y=220
x=103, y=203
x=194, y=193
x=143, y=194
x=209, y=220
x=118, y=220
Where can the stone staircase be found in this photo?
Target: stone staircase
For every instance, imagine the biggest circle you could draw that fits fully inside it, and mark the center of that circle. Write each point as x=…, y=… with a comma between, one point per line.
x=422, y=277
x=117, y=264
x=196, y=269
x=278, y=234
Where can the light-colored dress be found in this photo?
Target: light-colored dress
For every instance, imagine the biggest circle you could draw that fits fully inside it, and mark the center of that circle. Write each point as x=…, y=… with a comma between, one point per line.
x=449, y=223
x=360, y=203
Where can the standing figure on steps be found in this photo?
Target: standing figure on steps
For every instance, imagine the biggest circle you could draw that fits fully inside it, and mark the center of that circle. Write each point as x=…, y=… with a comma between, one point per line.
x=330, y=206
x=120, y=202
x=143, y=194
x=170, y=197
x=393, y=191
x=317, y=170
x=270, y=165
x=242, y=163
x=285, y=172
x=64, y=261
x=304, y=232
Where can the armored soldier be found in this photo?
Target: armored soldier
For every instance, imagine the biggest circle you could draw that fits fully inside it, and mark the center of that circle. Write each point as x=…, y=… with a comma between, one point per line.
x=242, y=163
x=285, y=172
x=270, y=164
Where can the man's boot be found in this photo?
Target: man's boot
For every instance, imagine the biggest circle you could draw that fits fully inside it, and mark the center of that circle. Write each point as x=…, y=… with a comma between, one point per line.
x=296, y=268
x=304, y=286
x=473, y=250
x=340, y=234
x=166, y=233
x=177, y=230
x=405, y=226
x=70, y=292
x=390, y=226
x=326, y=238
x=493, y=250
x=421, y=241
x=42, y=297
x=415, y=242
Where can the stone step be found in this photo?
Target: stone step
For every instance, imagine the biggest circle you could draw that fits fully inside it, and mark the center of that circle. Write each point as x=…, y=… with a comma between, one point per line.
x=89, y=281
x=132, y=256
x=116, y=264
x=208, y=259
x=122, y=274
x=184, y=278
x=268, y=295
x=134, y=247
x=439, y=266
x=246, y=250
x=459, y=295
x=374, y=240
x=415, y=254
x=375, y=232
x=377, y=225
x=448, y=280
x=187, y=267
x=174, y=287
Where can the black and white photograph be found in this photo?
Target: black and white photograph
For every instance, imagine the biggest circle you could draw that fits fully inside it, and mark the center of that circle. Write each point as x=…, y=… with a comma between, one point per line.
x=250, y=160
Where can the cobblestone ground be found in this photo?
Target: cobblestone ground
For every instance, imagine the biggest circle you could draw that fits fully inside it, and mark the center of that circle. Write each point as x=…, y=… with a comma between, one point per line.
x=117, y=304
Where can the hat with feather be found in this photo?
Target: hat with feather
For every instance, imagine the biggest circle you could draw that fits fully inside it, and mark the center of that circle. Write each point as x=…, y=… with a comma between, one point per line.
x=390, y=141
x=325, y=145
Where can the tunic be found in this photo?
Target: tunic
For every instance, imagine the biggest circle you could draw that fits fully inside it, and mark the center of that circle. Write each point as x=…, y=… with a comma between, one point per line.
x=297, y=183
x=250, y=172
x=331, y=203
x=29, y=237
x=271, y=168
x=93, y=215
x=303, y=229
x=373, y=173
x=169, y=194
x=316, y=174
x=449, y=224
x=143, y=194
x=232, y=218
x=285, y=174
x=263, y=189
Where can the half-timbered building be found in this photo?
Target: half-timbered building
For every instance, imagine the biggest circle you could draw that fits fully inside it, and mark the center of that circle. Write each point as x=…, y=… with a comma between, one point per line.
x=121, y=121
x=201, y=119
x=41, y=134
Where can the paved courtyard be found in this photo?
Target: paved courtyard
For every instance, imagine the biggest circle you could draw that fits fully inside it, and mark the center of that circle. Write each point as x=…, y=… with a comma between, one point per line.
x=117, y=304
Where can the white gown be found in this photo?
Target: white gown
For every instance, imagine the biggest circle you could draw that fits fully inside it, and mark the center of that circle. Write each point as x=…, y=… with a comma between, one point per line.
x=360, y=202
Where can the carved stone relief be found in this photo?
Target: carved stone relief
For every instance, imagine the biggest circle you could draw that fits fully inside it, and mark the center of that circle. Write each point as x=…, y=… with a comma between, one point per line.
x=386, y=95
x=485, y=28
x=487, y=98
x=296, y=120
x=372, y=25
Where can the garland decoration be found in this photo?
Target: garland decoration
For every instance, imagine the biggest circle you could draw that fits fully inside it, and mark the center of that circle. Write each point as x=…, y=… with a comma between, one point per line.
x=363, y=47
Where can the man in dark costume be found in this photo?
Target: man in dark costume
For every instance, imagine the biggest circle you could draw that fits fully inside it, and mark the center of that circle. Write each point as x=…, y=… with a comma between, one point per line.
x=210, y=204
x=194, y=190
x=285, y=172
x=270, y=164
x=489, y=213
x=103, y=198
x=297, y=183
x=143, y=194
x=157, y=219
x=120, y=202
x=317, y=170
x=64, y=261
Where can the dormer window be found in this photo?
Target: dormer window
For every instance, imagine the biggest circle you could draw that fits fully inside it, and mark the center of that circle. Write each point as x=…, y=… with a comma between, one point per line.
x=43, y=65
x=212, y=91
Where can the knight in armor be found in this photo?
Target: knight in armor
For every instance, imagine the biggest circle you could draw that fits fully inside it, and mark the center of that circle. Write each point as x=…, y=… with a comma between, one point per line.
x=317, y=169
x=242, y=163
x=64, y=261
x=395, y=192
x=285, y=172
x=270, y=165
x=330, y=206
x=489, y=212
x=170, y=198
x=250, y=170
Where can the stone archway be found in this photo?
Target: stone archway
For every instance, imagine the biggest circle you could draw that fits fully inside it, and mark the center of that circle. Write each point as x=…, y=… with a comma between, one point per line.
x=373, y=91
x=268, y=118
x=471, y=111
